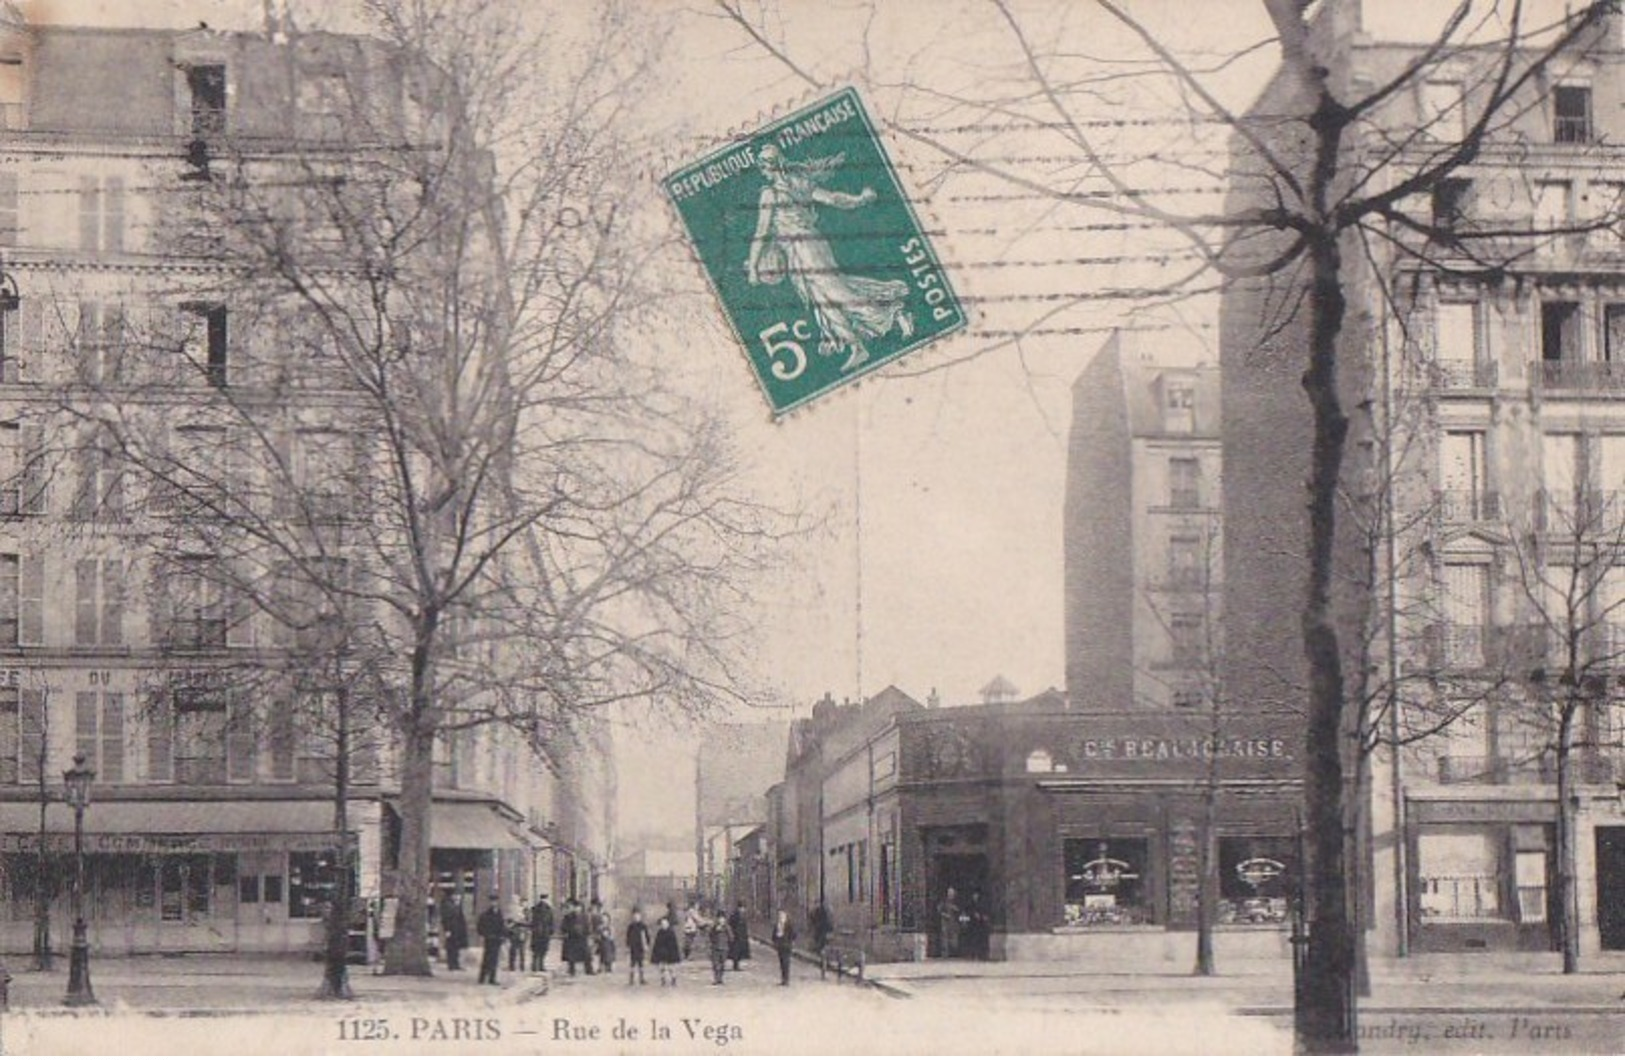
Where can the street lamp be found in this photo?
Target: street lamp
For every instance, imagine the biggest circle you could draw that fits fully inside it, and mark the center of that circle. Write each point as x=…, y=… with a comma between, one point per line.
x=77, y=782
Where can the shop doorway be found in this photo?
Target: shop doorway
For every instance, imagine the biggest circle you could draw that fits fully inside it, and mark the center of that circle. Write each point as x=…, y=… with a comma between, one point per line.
x=967, y=875
x=1611, y=887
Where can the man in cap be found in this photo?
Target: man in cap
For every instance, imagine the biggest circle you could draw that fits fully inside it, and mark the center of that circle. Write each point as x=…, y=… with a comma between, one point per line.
x=493, y=931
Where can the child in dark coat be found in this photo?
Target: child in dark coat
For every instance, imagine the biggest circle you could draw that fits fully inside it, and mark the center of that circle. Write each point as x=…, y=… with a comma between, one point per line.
x=637, y=945
x=666, y=953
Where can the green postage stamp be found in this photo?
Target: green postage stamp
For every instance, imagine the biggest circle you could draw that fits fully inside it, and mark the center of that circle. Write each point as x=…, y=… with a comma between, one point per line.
x=817, y=257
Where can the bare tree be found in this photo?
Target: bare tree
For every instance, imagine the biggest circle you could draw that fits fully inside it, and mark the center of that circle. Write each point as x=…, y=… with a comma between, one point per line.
x=439, y=453
x=1570, y=560
x=1326, y=164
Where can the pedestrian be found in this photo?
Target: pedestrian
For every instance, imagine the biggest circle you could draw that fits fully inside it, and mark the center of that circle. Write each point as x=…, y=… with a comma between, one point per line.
x=978, y=927
x=948, y=924
x=517, y=928
x=822, y=926
x=784, y=940
x=605, y=941
x=719, y=940
x=739, y=932
x=691, y=931
x=664, y=954
x=541, y=933
x=454, y=932
x=493, y=932
x=573, y=930
x=637, y=945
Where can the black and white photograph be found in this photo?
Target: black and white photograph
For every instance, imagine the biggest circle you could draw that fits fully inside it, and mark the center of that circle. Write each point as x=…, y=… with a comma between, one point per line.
x=823, y=527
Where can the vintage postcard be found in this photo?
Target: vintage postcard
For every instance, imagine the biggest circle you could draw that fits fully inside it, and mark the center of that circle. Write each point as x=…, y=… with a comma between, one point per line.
x=757, y=527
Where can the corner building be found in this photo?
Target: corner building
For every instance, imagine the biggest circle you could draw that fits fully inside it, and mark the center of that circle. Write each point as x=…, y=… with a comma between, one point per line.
x=1482, y=365
x=206, y=832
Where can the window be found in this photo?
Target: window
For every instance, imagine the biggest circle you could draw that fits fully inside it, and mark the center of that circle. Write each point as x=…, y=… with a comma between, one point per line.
x=204, y=342
x=1560, y=331
x=206, y=88
x=1444, y=114
x=1451, y=199
x=1185, y=639
x=1460, y=875
x=1462, y=479
x=1465, y=746
x=99, y=343
x=22, y=735
x=885, y=889
x=1106, y=881
x=196, y=610
x=1456, y=339
x=326, y=466
x=312, y=880
x=22, y=600
x=99, y=594
x=323, y=102
x=1554, y=212
x=8, y=209
x=1563, y=478
x=13, y=84
x=201, y=471
x=1184, y=482
x=1466, y=608
x=1256, y=875
x=200, y=737
x=23, y=469
x=100, y=490
x=282, y=740
x=1179, y=405
x=99, y=733
x=101, y=213
x=1571, y=106
x=1186, y=568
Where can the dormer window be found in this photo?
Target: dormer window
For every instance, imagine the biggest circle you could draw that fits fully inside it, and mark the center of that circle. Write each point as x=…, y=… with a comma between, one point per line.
x=1178, y=404
x=13, y=79
x=1571, y=118
x=206, y=92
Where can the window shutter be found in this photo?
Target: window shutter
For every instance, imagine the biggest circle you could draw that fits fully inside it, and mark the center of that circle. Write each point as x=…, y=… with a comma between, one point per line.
x=86, y=604
x=113, y=214
x=160, y=740
x=84, y=726
x=30, y=338
x=112, y=732
x=113, y=601
x=239, y=613
x=36, y=469
x=32, y=603
x=282, y=740
x=33, y=734
x=240, y=745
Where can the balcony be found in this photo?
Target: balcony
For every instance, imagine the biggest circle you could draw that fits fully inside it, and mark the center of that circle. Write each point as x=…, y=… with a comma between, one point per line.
x=1512, y=649
x=1464, y=375
x=1469, y=506
x=1588, y=768
x=1604, y=376
x=1588, y=514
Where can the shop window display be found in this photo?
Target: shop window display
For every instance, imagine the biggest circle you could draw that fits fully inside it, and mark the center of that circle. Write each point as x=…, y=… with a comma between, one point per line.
x=1256, y=877
x=1106, y=882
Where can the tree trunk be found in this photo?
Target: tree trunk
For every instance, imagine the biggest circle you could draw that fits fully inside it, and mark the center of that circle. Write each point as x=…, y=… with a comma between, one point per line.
x=1207, y=874
x=42, y=893
x=1568, y=897
x=336, y=973
x=1325, y=1020
x=408, y=951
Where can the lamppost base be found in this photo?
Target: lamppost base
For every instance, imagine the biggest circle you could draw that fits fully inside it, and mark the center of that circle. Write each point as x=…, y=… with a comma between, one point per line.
x=79, y=992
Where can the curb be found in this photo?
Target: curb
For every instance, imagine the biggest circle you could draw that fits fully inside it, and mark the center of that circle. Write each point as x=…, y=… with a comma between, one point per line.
x=809, y=957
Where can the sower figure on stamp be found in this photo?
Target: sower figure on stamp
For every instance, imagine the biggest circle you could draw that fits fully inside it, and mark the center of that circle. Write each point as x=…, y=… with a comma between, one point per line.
x=787, y=244
x=493, y=932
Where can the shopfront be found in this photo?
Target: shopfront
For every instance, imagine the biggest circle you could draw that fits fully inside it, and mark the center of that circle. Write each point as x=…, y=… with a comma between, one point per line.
x=176, y=877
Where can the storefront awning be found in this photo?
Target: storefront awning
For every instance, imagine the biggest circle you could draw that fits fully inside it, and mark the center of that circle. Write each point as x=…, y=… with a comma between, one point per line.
x=472, y=826
x=139, y=827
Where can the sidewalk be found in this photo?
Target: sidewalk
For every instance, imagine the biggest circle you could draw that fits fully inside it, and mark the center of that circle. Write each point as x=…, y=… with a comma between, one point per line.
x=209, y=984
x=1431, y=982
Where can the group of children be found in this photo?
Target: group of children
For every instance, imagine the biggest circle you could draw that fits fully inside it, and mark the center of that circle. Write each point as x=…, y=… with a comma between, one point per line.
x=727, y=937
